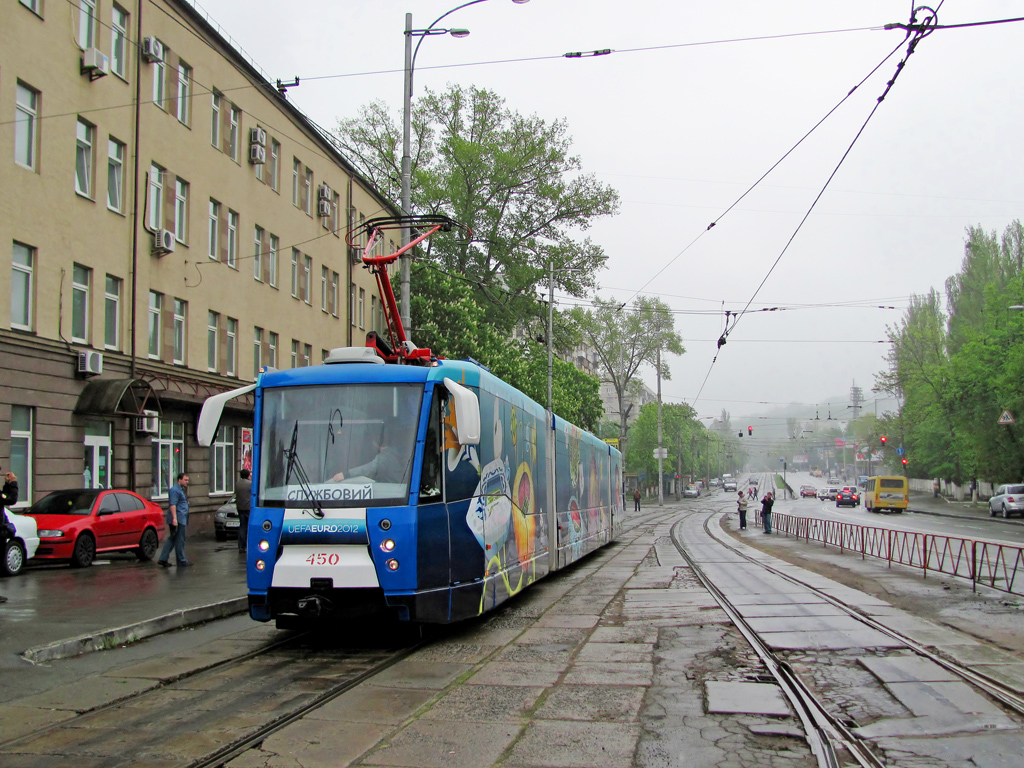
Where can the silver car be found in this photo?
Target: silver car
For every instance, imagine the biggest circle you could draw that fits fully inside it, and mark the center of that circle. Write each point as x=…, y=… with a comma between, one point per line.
x=1007, y=500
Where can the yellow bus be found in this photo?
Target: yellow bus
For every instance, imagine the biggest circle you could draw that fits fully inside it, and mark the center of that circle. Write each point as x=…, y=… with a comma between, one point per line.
x=886, y=493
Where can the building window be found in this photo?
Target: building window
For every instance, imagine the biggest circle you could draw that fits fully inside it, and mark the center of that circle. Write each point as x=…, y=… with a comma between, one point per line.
x=307, y=279
x=156, y=197
x=35, y=7
x=235, y=115
x=351, y=304
x=180, y=335
x=184, y=93
x=257, y=351
x=257, y=260
x=83, y=158
x=214, y=229
x=334, y=294
x=115, y=175
x=168, y=456
x=296, y=169
x=112, y=313
x=373, y=314
x=307, y=355
x=324, y=280
x=307, y=190
x=362, y=307
x=159, y=81
x=231, y=347
x=295, y=272
x=22, y=265
x=22, y=449
x=222, y=461
x=275, y=163
x=212, y=327
x=232, y=239
x=295, y=354
x=80, y=279
x=181, y=210
x=215, y=99
x=272, y=350
x=26, y=112
x=275, y=244
x=156, y=301
x=86, y=24
x=118, y=41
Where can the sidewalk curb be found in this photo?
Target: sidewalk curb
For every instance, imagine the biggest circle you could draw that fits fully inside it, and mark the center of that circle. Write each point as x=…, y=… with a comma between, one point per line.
x=130, y=633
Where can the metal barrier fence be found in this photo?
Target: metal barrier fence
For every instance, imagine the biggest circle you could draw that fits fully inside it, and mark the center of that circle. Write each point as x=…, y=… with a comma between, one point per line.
x=998, y=566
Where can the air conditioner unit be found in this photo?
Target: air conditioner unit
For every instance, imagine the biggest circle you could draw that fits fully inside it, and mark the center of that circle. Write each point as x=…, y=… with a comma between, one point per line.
x=258, y=136
x=148, y=422
x=95, y=63
x=90, y=362
x=163, y=242
x=323, y=208
x=257, y=154
x=152, y=50
x=324, y=192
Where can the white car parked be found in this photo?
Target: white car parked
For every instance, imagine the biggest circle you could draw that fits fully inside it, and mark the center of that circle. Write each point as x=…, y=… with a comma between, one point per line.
x=21, y=547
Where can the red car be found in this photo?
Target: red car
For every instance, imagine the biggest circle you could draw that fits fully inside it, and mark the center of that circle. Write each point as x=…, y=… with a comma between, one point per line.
x=808, y=492
x=77, y=524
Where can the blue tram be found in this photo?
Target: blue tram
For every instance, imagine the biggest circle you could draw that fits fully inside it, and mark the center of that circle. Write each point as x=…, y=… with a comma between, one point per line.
x=437, y=491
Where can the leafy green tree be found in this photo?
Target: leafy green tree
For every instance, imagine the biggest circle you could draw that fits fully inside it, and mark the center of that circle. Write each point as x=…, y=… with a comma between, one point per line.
x=679, y=431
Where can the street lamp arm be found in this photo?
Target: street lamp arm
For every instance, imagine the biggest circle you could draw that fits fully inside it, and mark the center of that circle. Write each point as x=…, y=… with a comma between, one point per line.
x=425, y=32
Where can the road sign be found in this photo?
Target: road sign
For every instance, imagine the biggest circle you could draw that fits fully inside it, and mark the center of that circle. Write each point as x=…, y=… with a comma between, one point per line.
x=661, y=453
x=612, y=441
x=900, y=451
x=1006, y=418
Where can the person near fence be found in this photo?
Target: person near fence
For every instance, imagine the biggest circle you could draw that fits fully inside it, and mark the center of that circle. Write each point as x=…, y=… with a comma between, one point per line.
x=766, y=512
x=741, y=505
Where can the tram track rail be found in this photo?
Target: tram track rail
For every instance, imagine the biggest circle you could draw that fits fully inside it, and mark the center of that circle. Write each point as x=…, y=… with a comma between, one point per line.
x=828, y=736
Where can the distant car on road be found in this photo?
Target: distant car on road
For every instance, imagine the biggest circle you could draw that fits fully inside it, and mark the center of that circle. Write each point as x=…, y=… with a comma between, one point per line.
x=20, y=547
x=848, y=497
x=833, y=491
x=226, y=521
x=808, y=492
x=690, y=492
x=77, y=524
x=823, y=494
x=1007, y=500
x=729, y=485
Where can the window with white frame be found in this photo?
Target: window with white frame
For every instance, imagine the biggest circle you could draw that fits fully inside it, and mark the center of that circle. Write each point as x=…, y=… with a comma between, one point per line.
x=307, y=279
x=155, y=200
x=352, y=303
x=159, y=82
x=118, y=41
x=307, y=355
x=275, y=244
x=362, y=307
x=214, y=230
x=296, y=259
x=232, y=239
x=212, y=329
x=156, y=303
x=222, y=461
x=26, y=115
x=275, y=163
x=324, y=280
x=373, y=313
x=112, y=313
x=334, y=294
x=168, y=457
x=22, y=449
x=33, y=5
x=115, y=175
x=180, y=331
x=272, y=349
x=257, y=351
x=231, y=347
x=181, y=210
x=307, y=189
x=296, y=168
x=84, y=140
x=295, y=353
x=215, y=102
x=23, y=259
x=86, y=24
x=184, y=93
x=80, y=279
x=235, y=121
x=257, y=259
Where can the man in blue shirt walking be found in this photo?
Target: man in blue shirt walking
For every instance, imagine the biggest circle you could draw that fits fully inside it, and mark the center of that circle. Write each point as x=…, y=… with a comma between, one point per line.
x=176, y=517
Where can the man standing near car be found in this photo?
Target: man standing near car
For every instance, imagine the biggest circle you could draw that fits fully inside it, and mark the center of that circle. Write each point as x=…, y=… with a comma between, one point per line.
x=177, y=523
x=243, y=502
x=766, y=511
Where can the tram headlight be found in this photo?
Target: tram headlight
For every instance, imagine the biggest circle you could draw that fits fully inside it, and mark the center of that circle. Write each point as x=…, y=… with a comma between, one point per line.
x=264, y=545
x=392, y=564
x=260, y=565
x=388, y=545
x=267, y=525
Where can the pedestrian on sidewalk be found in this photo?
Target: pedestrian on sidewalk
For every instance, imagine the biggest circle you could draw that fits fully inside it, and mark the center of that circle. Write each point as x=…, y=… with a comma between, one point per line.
x=243, y=502
x=766, y=512
x=636, y=499
x=741, y=505
x=176, y=517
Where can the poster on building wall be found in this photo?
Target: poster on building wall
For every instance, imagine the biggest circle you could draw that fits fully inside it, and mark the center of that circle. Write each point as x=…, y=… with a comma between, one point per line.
x=246, y=448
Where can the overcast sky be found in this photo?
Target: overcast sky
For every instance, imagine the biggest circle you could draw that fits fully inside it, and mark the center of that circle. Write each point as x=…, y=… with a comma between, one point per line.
x=681, y=124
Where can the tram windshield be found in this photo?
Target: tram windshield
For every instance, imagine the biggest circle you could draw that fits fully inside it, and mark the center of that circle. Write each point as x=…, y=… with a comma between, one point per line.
x=346, y=445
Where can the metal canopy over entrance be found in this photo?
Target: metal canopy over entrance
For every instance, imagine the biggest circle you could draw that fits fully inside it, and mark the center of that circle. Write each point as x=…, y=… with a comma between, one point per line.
x=124, y=397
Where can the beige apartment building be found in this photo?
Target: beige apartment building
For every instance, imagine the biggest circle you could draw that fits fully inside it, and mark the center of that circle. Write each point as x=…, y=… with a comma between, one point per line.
x=171, y=223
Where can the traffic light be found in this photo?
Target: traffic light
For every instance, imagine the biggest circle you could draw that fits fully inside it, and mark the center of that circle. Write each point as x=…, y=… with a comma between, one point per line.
x=883, y=439
x=750, y=430
x=740, y=434
x=904, y=462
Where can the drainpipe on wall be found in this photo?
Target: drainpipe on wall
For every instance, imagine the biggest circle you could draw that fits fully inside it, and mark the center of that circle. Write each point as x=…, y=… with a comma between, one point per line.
x=135, y=238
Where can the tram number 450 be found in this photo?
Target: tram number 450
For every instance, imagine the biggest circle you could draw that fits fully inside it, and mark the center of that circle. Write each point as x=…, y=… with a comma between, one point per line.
x=323, y=558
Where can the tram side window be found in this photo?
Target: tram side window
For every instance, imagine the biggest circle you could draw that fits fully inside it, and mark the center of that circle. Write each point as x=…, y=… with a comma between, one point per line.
x=430, y=478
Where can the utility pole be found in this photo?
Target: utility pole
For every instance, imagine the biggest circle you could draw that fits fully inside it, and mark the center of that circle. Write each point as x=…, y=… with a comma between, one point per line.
x=661, y=480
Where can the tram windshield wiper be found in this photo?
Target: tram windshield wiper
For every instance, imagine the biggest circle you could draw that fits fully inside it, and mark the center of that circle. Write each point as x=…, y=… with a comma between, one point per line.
x=295, y=464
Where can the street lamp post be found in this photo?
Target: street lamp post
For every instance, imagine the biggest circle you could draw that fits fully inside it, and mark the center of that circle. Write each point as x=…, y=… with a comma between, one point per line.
x=410, y=64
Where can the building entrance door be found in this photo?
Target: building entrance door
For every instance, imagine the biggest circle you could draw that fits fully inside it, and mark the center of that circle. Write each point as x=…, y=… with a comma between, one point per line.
x=96, y=472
